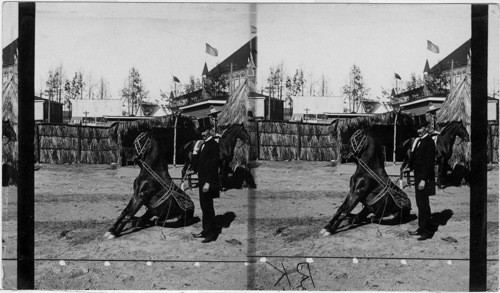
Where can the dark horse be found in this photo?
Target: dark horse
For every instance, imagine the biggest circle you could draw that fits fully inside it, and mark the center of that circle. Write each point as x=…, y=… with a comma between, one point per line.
x=8, y=132
x=155, y=189
x=444, y=149
x=9, y=173
x=227, y=145
x=371, y=186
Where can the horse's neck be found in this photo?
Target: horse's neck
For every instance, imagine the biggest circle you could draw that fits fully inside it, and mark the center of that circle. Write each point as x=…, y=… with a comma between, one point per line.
x=228, y=143
x=155, y=161
x=448, y=138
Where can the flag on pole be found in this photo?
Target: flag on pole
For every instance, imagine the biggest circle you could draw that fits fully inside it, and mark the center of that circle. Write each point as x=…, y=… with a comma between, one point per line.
x=211, y=50
x=176, y=79
x=397, y=76
x=431, y=47
x=253, y=29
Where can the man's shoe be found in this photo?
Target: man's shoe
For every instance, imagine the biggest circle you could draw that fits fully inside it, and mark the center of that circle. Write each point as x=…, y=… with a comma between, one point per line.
x=424, y=236
x=415, y=232
x=202, y=234
x=209, y=238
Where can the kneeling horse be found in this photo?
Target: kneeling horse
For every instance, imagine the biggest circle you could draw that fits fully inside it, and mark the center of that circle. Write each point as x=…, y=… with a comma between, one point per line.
x=155, y=189
x=371, y=186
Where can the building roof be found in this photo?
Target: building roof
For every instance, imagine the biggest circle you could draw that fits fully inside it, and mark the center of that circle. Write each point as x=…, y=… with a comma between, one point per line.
x=9, y=53
x=205, y=70
x=239, y=58
x=317, y=105
x=426, y=67
x=459, y=57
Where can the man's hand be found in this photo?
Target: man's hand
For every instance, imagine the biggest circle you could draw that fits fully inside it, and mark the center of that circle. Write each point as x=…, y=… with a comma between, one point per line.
x=421, y=185
x=206, y=187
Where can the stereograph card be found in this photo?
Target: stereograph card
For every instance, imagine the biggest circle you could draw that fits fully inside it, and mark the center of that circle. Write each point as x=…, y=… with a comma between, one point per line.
x=256, y=146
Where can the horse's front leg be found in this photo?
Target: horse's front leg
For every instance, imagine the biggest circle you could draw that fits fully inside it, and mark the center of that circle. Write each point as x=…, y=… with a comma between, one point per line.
x=183, y=174
x=126, y=216
x=440, y=174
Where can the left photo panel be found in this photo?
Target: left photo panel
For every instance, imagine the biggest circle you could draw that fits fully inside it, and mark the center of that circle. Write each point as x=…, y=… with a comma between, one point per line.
x=142, y=135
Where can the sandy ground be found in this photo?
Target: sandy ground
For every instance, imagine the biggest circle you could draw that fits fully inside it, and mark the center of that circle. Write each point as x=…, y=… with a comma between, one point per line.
x=275, y=229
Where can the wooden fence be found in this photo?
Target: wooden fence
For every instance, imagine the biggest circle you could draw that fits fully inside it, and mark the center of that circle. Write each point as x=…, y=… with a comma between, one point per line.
x=64, y=144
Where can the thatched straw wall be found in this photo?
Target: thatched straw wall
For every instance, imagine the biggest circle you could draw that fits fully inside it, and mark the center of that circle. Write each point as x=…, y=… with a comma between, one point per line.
x=10, y=153
x=65, y=144
x=280, y=141
x=456, y=107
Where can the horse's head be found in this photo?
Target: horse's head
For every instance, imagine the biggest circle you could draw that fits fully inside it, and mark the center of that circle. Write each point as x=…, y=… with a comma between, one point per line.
x=237, y=131
x=142, y=144
x=456, y=128
x=8, y=131
x=462, y=131
x=357, y=143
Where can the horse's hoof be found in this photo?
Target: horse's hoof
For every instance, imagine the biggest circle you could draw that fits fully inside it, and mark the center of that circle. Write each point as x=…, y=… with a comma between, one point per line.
x=106, y=235
x=324, y=232
x=111, y=236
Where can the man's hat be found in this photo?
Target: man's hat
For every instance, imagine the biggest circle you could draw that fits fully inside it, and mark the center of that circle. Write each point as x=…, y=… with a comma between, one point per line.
x=205, y=124
x=421, y=124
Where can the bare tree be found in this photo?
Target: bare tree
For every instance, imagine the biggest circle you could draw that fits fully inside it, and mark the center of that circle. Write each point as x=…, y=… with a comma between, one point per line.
x=103, y=92
x=323, y=86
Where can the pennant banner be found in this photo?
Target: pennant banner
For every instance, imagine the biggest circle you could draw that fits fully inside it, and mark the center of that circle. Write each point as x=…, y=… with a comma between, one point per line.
x=176, y=79
x=253, y=29
x=397, y=76
x=431, y=47
x=211, y=50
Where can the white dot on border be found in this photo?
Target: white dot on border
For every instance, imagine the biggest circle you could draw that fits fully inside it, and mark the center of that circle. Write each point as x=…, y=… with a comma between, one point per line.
x=449, y=262
x=149, y=263
x=196, y=264
x=309, y=260
x=355, y=260
x=263, y=259
x=403, y=262
x=246, y=264
x=107, y=264
x=62, y=263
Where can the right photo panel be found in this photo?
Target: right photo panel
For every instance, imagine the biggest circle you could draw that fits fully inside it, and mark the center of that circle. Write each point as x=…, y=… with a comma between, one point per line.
x=363, y=148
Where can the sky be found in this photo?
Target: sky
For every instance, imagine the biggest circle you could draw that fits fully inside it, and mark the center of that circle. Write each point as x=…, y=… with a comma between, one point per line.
x=165, y=39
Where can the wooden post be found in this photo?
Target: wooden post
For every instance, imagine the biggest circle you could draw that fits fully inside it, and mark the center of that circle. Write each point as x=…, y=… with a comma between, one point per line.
x=394, y=140
x=479, y=124
x=257, y=139
x=79, y=150
x=339, y=144
x=299, y=144
x=175, y=142
x=38, y=142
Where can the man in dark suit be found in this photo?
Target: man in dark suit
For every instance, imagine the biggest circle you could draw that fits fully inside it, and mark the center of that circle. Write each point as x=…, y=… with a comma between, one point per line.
x=422, y=163
x=209, y=183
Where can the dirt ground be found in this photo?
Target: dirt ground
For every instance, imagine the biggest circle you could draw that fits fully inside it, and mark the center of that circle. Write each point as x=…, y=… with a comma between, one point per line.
x=275, y=229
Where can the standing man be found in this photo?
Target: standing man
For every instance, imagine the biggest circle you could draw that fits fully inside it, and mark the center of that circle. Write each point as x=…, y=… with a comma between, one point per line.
x=422, y=163
x=209, y=183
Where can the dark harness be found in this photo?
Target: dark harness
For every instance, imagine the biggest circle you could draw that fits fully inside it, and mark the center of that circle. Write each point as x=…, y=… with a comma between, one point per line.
x=142, y=144
x=358, y=142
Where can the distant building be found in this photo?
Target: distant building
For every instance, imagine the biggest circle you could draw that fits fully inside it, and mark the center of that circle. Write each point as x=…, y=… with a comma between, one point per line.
x=42, y=113
x=262, y=103
x=313, y=109
x=238, y=66
x=93, y=112
x=456, y=64
x=201, y=109
x=9, y=61
x=377, y=106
